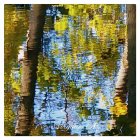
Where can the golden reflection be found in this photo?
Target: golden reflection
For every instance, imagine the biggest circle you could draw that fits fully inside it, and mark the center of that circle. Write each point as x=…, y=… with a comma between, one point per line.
x=119, y=107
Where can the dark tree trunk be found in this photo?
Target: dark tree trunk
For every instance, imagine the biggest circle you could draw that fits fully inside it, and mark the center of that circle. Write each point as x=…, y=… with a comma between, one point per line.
x=29, y=76
x=131, y=10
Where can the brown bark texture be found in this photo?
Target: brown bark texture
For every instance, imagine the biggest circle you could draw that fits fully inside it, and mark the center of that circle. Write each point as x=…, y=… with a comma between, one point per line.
x=29, y=69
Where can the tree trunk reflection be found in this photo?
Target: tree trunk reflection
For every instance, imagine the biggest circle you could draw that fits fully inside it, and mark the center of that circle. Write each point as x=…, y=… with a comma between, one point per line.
x=132, y=66
x=127, y=75
x=29, y=76
x=132, y=59
x=126, y=79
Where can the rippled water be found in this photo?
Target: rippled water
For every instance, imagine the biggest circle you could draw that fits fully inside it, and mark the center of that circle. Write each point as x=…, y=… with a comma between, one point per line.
x=77, y=71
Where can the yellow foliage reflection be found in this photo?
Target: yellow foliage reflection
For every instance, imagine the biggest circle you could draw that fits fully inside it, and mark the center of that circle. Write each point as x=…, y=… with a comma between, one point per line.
x=119, y=107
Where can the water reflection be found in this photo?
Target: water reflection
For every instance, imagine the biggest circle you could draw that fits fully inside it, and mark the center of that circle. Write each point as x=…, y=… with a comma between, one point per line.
x=77, y=70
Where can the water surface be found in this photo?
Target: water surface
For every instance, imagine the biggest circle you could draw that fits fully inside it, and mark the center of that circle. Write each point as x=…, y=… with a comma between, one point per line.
x=82, y=47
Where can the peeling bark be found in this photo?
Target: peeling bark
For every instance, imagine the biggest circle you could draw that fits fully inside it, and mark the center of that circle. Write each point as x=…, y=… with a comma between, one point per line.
x=29, y=76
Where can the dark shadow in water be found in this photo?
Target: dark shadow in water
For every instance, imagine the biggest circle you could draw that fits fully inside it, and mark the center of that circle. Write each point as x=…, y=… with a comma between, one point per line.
x=132, y=59
x=132, y=66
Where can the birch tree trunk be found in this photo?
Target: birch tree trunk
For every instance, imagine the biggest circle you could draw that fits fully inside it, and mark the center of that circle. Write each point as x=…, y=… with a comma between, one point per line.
x=126, y=80
x=29, y=76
